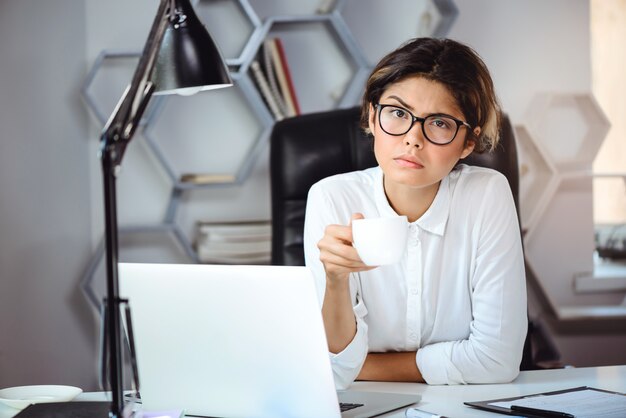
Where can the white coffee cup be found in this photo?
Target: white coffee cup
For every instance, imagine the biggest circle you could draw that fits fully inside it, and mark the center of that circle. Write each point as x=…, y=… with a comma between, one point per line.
x=380, y=241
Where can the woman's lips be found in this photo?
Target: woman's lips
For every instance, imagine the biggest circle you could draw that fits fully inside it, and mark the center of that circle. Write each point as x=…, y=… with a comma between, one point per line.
x=408, y=162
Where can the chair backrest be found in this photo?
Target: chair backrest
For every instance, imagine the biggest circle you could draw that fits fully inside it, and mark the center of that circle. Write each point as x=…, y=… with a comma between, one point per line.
x=308, y=148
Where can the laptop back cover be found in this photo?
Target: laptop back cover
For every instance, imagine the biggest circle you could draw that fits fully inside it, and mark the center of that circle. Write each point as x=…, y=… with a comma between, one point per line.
x=229, y=341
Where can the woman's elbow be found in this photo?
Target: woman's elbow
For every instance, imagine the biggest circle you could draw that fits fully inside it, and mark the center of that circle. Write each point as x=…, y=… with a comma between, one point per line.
x=504, y=373
x=495, y=371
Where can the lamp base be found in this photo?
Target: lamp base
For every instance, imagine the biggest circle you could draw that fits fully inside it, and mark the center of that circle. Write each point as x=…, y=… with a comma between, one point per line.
x=66, y=410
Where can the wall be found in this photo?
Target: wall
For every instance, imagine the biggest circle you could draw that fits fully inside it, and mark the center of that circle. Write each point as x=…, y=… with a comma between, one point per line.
x=50, y=187
x=541, y=46
x=47, y=331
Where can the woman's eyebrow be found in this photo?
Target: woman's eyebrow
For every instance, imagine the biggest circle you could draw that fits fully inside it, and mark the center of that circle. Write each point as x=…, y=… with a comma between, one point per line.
x=402, y=102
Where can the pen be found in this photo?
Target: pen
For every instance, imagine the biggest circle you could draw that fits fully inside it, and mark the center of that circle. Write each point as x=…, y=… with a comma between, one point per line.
x=418, y=413
x=541, y=412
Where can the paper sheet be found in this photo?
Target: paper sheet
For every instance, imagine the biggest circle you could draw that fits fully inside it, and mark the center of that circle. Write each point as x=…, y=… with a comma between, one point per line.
x=581, y=403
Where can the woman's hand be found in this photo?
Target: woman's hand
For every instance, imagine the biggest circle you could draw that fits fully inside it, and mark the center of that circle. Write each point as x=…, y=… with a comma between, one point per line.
x=340, y=259
x=337, y=254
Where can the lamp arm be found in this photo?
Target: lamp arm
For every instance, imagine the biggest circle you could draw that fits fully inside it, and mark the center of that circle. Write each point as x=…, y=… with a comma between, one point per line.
x=125, y=118
x=116, y=135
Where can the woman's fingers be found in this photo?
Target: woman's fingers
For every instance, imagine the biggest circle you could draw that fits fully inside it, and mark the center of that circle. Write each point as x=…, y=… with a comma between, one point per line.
x=337, y=253
x=337, y=240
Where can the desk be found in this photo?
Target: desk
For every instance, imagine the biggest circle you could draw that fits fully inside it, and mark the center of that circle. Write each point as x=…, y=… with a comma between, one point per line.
x=448, y=400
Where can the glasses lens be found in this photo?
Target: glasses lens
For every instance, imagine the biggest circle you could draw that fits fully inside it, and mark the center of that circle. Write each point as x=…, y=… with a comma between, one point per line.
x=440, y=129
x=395, y=120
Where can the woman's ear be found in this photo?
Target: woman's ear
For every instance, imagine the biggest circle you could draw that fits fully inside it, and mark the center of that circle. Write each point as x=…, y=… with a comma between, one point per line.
x=470, y=143
x=370, y=119
x=468, y=148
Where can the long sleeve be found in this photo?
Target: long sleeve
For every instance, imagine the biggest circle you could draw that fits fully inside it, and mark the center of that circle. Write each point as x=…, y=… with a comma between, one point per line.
x=492, y=352
x=320, y=212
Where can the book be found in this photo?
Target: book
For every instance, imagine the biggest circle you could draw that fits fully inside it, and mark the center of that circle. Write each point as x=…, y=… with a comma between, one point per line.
x=270, y=73
x=326, y=6
x=283, y=75
x=265, y=90
x=198, y=178
x=279, y=72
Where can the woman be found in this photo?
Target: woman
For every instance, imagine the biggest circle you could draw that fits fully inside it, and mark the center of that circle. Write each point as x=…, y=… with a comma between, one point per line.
x=453, y=310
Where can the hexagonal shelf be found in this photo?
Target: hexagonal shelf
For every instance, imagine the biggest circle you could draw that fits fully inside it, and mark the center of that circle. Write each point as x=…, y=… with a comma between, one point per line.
x=570, y=127
x=425, y=18
x=267, y=8
x=225, y=204
x=316, y=45
x=538, y=179
x=142, y=179
x=562, y=243
x=107, y=80
x=150, y=244
x=205, y=155
x=232, y=24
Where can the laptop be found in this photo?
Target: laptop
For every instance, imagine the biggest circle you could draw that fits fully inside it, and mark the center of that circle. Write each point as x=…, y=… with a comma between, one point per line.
x=236, y=341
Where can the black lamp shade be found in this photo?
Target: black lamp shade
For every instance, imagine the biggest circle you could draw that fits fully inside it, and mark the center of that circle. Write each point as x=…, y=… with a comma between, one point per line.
x=188, y=59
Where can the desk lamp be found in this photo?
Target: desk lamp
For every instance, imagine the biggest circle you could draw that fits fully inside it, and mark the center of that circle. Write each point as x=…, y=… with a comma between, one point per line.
x=179, y=57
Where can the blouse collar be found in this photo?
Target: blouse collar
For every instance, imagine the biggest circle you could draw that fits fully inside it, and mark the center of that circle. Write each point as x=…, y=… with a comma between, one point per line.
x=436, y=216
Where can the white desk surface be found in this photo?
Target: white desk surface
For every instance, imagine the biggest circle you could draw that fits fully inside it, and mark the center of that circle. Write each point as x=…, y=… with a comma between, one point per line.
x=448, y=400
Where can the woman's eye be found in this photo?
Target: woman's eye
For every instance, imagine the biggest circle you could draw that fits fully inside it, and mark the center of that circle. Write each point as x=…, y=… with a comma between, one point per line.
x=399, y=113
x=440, y=123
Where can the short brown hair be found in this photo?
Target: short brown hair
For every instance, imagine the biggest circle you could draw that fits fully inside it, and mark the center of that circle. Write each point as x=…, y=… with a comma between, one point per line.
x=451, y=63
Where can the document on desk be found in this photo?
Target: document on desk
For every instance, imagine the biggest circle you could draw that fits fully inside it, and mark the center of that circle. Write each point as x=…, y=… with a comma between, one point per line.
x=580, y=402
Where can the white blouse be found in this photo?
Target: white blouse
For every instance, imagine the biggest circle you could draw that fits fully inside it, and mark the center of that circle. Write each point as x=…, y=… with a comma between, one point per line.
x=458, y=295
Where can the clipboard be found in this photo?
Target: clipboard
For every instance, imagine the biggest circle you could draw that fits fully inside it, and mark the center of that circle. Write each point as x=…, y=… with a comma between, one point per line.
x=487, y=405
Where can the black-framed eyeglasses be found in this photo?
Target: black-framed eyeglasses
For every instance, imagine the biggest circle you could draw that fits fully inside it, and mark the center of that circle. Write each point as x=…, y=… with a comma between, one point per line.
x=438, y=128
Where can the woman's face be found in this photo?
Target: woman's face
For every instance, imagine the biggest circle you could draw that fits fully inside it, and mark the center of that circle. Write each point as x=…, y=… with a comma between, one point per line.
x=410, y=160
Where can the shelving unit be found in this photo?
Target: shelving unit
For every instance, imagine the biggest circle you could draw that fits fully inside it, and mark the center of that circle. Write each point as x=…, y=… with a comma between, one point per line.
x=538, y=179
x=233, y=25
x=147, y=182
x=432, y=18
x=558, y=141
x=163, y=243
x=269, y=8
x=201, y=157
x=106, y=81
x=323, y=62
x=224, y=133
x=570, y=127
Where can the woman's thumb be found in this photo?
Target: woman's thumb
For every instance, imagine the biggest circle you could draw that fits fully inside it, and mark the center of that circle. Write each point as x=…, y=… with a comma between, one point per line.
x=355, y=216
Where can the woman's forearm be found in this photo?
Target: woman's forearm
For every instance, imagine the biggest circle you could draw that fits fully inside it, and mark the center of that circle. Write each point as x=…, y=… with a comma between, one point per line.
x=391, y=367
x=339, y=320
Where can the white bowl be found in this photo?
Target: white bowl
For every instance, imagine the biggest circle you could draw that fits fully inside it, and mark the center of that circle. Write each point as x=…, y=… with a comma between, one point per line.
x=20, y=397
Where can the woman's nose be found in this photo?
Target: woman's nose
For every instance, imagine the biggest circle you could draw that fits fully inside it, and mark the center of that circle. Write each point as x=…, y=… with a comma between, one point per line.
x=415, y=136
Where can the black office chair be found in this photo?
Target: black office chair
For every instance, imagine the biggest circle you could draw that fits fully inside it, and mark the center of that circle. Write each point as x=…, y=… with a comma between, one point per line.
x=308, y=148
